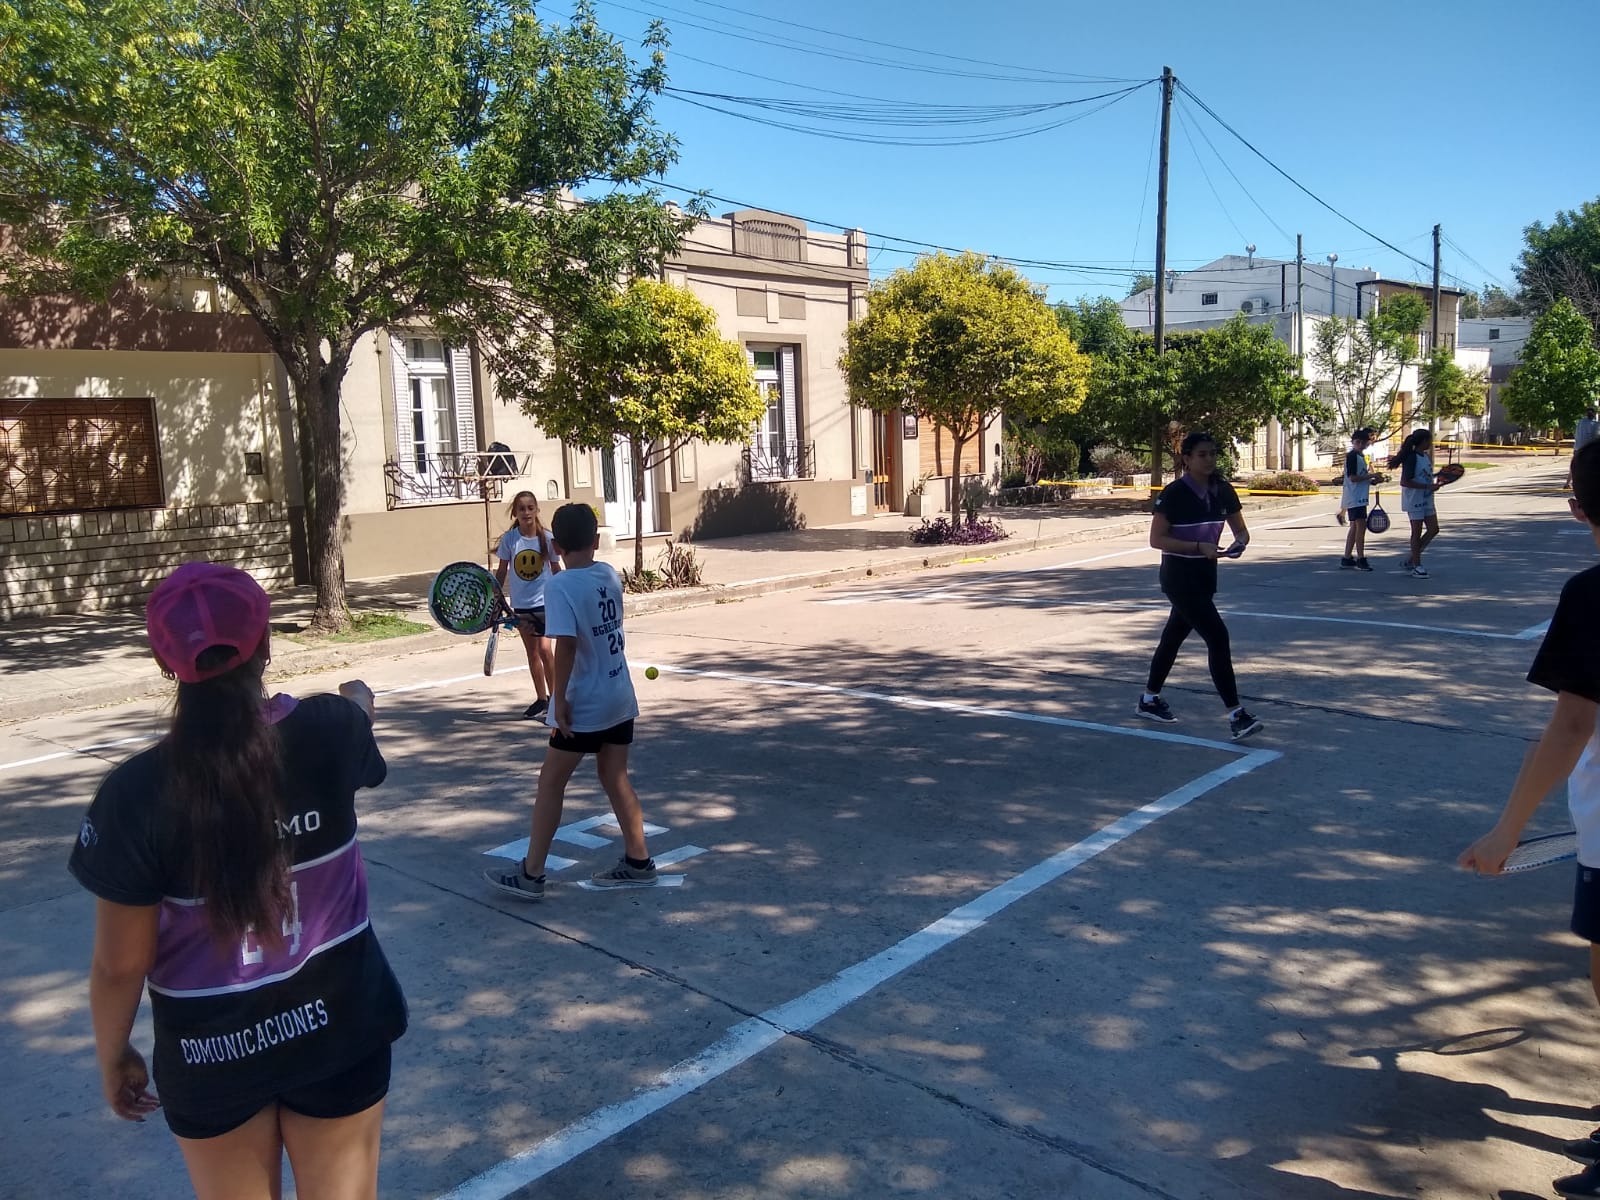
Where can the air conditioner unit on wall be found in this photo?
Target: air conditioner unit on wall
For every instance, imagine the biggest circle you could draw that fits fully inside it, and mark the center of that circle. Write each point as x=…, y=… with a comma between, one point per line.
x=1255, y=306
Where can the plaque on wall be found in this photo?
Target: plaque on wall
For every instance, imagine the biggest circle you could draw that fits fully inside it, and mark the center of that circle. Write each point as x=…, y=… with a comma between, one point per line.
x=908, y=426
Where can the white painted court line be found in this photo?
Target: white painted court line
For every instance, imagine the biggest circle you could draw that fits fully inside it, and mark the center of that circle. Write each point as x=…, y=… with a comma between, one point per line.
x=1533, y=631
x=589, y=885
x=681, y=854
x=749, y=1038
x=150, y=737
x=90, y=749
x=518, y=850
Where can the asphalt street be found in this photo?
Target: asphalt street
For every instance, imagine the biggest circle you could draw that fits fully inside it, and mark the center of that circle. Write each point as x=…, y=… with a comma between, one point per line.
x=953, y=921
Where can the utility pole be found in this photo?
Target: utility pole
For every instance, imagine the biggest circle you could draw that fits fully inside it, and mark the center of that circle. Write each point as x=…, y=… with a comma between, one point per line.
x=1433, y=345
x=1159, y=433
x=1299, y=340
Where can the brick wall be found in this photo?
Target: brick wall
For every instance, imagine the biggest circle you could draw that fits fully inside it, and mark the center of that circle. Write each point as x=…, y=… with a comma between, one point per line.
x=87, y=562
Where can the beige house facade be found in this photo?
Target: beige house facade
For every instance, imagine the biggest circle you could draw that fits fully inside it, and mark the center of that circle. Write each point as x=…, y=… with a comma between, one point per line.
x=159, y=427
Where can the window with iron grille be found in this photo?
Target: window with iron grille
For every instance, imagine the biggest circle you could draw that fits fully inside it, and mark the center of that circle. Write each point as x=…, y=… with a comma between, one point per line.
x=79, y=455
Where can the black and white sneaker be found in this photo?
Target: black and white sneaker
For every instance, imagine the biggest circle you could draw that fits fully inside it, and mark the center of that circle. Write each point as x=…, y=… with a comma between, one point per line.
x=537, y=709
x=1242, y=725
x=1363, y=565
x=515, y=881
x=1347, y=564
x=1156, y=709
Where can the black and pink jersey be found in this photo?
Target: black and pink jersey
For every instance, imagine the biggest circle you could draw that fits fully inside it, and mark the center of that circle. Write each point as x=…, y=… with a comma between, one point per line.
x=242, y=1020
x=1197, y=514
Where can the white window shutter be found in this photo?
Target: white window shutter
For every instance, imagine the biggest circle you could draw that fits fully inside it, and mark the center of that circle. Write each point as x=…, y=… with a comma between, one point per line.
x=791, y=406
x=759, y=424
x=466, y=411
x=404, y=443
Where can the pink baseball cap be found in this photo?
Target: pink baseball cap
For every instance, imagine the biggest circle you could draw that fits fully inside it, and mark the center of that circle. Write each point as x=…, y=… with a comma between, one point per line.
x=201, y=605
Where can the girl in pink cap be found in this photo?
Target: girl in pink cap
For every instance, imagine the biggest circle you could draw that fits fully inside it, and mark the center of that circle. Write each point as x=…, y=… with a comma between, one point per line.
x=228, y=881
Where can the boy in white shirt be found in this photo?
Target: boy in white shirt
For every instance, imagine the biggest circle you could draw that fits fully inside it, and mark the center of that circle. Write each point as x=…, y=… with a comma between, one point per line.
x=592, y=708
x=1568, y=663
x=1353, y=501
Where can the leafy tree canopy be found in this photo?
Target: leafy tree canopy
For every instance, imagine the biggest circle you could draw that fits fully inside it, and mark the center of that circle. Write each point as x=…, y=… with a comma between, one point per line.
x=1559, y=378
x=340, y=166
x=650, y=366
x=1562, y=260
x=1229, y=380
x=956, y=338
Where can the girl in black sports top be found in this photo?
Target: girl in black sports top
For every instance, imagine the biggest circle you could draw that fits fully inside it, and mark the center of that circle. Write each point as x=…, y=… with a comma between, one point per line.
x=1187, y=528
x=229, y=883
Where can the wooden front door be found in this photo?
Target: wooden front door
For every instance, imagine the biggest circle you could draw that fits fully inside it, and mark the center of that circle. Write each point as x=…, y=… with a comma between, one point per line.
x=884, y=461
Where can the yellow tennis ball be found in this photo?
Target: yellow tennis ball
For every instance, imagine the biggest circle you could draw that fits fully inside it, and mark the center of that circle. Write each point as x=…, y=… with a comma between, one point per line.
x=651, y=672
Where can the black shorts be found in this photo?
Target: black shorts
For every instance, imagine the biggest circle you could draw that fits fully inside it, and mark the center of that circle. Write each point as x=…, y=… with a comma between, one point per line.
x=531, y=618
x=353, y=1090
x=590, y=743
x=1356, y=512
x=1586, y=904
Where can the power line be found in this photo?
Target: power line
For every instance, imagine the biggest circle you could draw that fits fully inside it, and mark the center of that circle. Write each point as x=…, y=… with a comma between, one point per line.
x=728, y=29
x=883, y=140
x=1053, y=75
x=1284, y=233
x=895, y=112
x=1183, y=123
x=1212, y=113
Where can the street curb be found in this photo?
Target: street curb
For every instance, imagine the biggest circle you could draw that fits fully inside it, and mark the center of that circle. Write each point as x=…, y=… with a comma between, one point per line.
x=289, y=664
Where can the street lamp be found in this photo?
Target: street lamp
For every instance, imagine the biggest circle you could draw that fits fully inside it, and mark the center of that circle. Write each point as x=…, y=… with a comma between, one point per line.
x=1332, y=258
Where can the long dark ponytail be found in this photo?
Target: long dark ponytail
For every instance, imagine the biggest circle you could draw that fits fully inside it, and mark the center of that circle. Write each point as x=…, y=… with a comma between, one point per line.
x=224, y=781
x=1406, y=457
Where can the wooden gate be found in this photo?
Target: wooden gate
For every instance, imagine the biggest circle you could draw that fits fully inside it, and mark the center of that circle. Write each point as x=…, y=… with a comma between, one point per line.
x=884, y=461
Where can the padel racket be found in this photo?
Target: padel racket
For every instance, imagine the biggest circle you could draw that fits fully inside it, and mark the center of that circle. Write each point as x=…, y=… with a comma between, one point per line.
x=1233, y=551
x=1377, y=519
x=1449, y=474
x=1532, y=853
x=489, y=649
x=465, y=598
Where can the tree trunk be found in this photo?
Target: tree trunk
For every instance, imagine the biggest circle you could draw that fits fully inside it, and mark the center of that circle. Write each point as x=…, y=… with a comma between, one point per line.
x=1158, y=446
x=317, y=384
x=956, y=443
x=636, y=451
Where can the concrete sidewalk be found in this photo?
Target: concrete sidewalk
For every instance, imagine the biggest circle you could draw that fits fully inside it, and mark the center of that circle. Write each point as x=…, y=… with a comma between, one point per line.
x=55, y=664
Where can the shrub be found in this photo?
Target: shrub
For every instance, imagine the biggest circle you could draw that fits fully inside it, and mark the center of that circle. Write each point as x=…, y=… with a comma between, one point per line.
x=1013, y=479
x=676, y=567
x=1114, y=460
x=974, y=494
x=1283, y=481
x=942, y=532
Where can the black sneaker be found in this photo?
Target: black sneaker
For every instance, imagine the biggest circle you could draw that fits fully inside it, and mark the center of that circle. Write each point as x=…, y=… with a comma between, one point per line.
x=513, y=881
x=537, y=709
x=1584, y=1150
x=1241, y=725
x=1363, y=565
x=1347, y=564
x=1585, y=1183
x=1156, y=710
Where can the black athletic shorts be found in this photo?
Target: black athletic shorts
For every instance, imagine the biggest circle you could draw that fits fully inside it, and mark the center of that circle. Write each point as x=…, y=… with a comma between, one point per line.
x=352, y=1090
x=1356, y=512
x=590, y=743
x=533, y=617
x=1586, y=904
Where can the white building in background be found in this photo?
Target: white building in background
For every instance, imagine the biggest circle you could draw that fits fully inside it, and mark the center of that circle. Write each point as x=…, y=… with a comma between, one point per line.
x=1264, y=292
x=1503, y=338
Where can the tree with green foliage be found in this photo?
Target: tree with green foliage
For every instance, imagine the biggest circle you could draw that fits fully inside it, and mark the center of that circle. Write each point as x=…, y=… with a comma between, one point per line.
x=339, y=166
x=1559, y=377
x=1448, y=390
x=1497, y=302
x=1141, y=282
x=649, y=366
x=1562, y=261
x=1229, y=380
x=957, y=338
x=1359, y=364
x=1096, y=326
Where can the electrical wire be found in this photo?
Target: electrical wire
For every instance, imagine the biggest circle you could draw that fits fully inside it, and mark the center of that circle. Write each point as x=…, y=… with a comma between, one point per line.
x=1213, y=114
x=983, y=62
x=895, y=112
x=1188, y=139
x=884, y=140
x=1284, y=233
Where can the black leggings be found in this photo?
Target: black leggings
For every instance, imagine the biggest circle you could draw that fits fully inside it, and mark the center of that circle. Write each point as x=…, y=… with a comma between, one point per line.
x=1191, y=611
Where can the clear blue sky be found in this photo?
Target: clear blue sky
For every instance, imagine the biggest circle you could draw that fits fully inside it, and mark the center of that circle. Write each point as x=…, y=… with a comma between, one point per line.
x=1481, y=116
